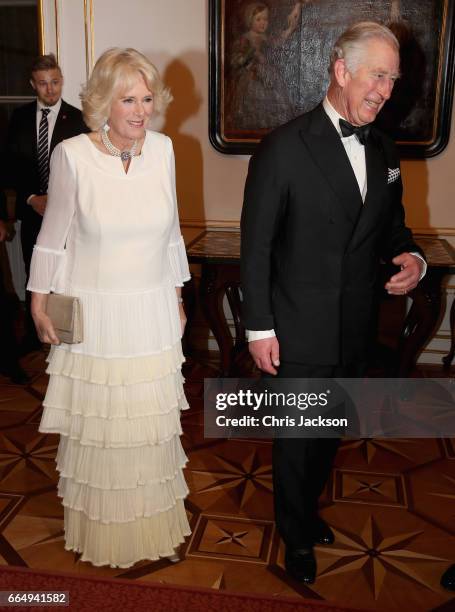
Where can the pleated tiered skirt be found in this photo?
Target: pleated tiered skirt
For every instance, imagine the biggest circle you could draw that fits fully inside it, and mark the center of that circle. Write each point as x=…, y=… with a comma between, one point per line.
x=120, y=457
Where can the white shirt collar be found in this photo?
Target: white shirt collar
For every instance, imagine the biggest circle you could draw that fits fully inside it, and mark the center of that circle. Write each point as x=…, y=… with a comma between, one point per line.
x=54, y=109
x=334, y=116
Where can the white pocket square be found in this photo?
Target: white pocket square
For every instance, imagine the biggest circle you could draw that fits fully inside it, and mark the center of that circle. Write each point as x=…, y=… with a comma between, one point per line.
x=392, y=175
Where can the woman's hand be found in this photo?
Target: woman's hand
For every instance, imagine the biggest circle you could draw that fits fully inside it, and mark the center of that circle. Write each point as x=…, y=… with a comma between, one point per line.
x=182, y=318
x=43, y=324
x=45, y=329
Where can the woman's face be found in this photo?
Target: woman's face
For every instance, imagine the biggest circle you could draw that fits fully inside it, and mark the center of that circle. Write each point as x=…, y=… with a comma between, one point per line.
x=260, y=22
x=130, y=112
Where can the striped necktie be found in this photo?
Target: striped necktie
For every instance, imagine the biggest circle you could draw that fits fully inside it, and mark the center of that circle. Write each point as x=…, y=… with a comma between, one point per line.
x=43, y=151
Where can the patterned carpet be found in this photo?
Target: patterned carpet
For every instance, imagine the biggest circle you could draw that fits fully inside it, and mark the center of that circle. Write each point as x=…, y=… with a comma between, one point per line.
x=391, y=504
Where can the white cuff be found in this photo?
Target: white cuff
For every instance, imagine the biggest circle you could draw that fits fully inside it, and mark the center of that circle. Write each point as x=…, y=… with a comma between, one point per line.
x=46, y=270
x=424, y=270
x=179, y=262
x=254, y=334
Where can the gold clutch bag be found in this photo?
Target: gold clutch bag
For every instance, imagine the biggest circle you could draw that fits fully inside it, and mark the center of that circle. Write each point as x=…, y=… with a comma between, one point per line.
x=65, y=312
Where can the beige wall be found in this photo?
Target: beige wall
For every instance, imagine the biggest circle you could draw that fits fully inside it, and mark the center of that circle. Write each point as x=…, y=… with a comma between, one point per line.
x=430, y=192
x=174, y=34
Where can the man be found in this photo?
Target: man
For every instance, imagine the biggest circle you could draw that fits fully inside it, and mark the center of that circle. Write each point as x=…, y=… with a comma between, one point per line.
x=34, y=130
x=322, y=206
x=9, y=354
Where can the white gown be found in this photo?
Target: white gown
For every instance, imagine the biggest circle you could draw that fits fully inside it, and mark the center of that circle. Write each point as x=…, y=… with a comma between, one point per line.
x=113, y=239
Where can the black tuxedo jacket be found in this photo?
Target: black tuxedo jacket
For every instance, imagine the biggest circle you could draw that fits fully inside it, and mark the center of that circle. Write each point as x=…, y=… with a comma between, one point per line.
x=3, y=211
x=310, y=248
x=22, y=151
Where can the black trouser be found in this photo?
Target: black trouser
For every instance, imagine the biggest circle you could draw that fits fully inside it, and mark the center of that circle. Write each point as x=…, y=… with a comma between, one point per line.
x=9, y=354
x=301, y=466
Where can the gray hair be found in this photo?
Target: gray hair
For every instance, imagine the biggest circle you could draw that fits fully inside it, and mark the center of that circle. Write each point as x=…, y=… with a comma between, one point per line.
x=351, y=44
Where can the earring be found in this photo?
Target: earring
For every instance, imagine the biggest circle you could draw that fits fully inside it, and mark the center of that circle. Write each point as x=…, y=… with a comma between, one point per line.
x=106, y=127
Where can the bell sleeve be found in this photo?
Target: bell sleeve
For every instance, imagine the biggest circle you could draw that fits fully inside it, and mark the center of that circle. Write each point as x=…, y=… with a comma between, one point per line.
x=48, y=258
x=176, y=248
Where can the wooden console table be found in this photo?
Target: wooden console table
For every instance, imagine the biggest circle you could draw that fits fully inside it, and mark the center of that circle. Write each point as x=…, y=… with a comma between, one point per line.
x=218, y=252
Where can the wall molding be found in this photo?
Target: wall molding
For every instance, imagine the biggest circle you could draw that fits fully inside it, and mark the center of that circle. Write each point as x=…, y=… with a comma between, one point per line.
x=209, y=224
x=57, y=31
x=48, y=27
x=434, y=231
x=41, y=35
x=89, y=27
x=222, y=224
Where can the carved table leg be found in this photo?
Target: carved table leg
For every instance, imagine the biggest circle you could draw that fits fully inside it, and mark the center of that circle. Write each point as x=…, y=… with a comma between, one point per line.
x=420, y=321
x=212, y=292
x=233, y=296
x=447, y=360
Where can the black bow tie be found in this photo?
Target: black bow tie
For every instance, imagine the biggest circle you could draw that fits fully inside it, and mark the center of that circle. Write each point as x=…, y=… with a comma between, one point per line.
x=361, y=131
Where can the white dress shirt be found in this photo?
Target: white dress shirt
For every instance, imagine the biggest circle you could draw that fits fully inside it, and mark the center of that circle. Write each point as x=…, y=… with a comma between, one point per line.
x=354, y=149
x=356, y=155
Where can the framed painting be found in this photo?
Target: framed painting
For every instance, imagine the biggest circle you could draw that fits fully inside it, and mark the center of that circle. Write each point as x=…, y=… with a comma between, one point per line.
x=269, y=60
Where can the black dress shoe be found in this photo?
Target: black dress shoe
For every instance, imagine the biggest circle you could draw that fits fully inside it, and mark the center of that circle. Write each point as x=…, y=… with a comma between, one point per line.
x=16, y=374
x=448, y=578
x=301, y=565
x=324, y=535
x=19, y=377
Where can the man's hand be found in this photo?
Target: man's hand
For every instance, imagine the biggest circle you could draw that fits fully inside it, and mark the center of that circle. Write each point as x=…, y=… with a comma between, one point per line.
x=3, y=231
x=38, y=203
x=407, y=279
x=266, y=354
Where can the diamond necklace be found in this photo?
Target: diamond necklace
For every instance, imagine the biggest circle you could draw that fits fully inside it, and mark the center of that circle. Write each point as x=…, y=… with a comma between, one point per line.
x=124, y=155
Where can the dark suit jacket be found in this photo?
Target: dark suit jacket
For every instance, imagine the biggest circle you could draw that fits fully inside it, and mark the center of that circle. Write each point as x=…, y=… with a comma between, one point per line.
x=3, y=211
x=22, y=151
x=310, y=248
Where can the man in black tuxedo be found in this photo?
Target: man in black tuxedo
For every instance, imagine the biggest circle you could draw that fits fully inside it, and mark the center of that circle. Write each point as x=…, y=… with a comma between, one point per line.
x=322, y=206
x=33, y=132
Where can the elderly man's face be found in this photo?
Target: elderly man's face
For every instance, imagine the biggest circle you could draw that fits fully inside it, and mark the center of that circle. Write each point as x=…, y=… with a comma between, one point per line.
x=48, y=85
x=366, y=91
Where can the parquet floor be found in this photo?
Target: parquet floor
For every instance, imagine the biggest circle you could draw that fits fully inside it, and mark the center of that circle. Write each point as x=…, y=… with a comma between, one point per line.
x=390, y=502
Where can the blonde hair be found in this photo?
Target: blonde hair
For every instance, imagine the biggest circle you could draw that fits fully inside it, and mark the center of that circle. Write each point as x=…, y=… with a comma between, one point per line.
x=350, y=46
x=116, y=70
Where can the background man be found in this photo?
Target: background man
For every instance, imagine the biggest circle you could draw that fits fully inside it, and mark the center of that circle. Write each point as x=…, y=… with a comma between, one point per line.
x=9, y=353
x=33, y=132
x=322, y=206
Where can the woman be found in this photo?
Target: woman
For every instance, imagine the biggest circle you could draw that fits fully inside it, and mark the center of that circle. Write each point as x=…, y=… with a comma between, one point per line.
x=111, y=237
